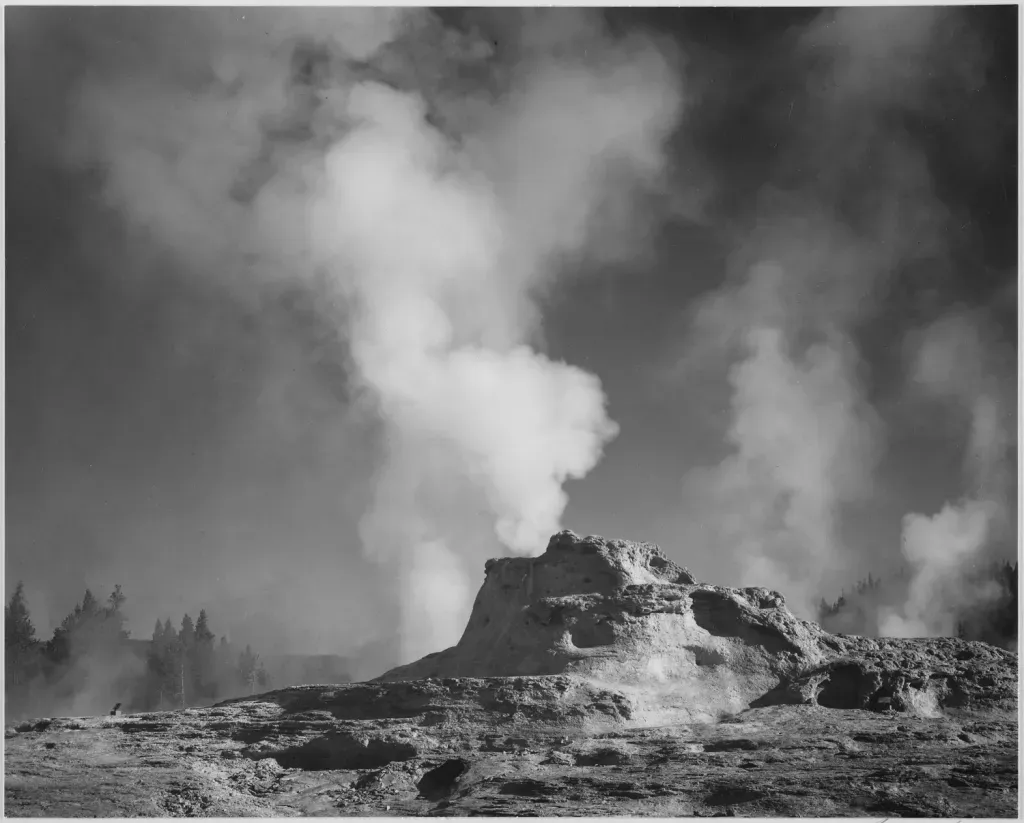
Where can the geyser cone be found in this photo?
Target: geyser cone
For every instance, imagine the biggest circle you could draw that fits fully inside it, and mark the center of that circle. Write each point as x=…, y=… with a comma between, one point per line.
x=622, y=614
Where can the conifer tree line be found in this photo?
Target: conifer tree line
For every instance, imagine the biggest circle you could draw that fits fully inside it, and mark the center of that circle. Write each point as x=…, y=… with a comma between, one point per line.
x=91, y=662
x=186, y=667
x=992, y=619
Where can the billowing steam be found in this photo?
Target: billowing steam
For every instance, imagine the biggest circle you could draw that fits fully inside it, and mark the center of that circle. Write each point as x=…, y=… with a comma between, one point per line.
x=803, y=439
x=849, y=203
x=425, y=183
x=953, y=363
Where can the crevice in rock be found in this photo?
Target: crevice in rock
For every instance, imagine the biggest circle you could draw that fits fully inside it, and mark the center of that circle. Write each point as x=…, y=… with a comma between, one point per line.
x=722, y=616
x=441, y=781
x=849, y=686
x=528, y=788
x=593, y=633
x=738, y=745
x=732, y=795
x=706, y=657
x=602, y=757
x=341, y=751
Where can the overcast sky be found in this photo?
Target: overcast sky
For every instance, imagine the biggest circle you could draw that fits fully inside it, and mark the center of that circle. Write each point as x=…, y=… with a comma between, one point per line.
x=310, y=313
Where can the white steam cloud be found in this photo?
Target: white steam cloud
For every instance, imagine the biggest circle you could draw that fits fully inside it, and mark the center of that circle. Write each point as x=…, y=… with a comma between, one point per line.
x=849, y=203
x=954, y=363
x=426, y=184
x=803, y=439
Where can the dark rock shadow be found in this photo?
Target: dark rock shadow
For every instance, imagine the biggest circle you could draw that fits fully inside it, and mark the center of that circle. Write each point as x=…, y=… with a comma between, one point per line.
x=440, y=782
x=340, y=751
x=722, y=616
x=732, y=795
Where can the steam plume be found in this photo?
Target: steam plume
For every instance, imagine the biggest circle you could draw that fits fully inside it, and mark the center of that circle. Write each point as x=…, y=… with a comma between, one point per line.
x=426, y=188
x=843, y=212
x=953, y=363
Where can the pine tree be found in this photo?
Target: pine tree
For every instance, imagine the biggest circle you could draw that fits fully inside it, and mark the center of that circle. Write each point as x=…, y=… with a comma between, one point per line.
x=169, y=683
x=183, y=652
x=188, y=631
x=18, y=629
x=88, y=644
x=225, y=676
x=249, y=667
x=20, y=644
x=202, y=652
x=156, y=669
x=202, y=630
x=74, y=633
x=114, y=631
x=116, y=599
x=89, y=604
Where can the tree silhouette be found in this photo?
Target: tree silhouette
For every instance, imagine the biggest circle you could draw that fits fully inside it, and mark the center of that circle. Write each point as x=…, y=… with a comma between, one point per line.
x=20, y=644
x=251, y=670
x=88, y=652
x=202, y=653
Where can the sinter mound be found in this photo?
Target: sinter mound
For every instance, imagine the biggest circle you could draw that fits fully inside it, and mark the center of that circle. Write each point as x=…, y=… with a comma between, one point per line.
x=623, y=615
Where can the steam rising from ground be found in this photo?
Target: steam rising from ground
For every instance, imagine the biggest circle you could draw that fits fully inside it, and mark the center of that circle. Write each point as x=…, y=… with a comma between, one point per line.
x=849, y=205
x=425, y=183
x=954, y=363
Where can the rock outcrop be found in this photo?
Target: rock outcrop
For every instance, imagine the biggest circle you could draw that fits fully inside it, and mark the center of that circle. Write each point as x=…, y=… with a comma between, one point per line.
x=622, y=614
x=926, y=677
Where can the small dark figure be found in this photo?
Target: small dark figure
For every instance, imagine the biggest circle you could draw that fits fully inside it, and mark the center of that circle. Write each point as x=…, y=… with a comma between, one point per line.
x=116, y=711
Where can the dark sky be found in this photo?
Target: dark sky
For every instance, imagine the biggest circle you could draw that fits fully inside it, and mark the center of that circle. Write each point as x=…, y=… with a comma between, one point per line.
x=788, y=215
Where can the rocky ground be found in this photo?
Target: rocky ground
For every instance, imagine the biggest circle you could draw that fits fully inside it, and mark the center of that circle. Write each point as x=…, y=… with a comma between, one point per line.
x=510, y=747
x=597, y=679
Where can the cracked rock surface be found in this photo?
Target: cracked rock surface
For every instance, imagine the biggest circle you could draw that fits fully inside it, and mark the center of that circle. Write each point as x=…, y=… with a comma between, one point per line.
x=597, y=679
